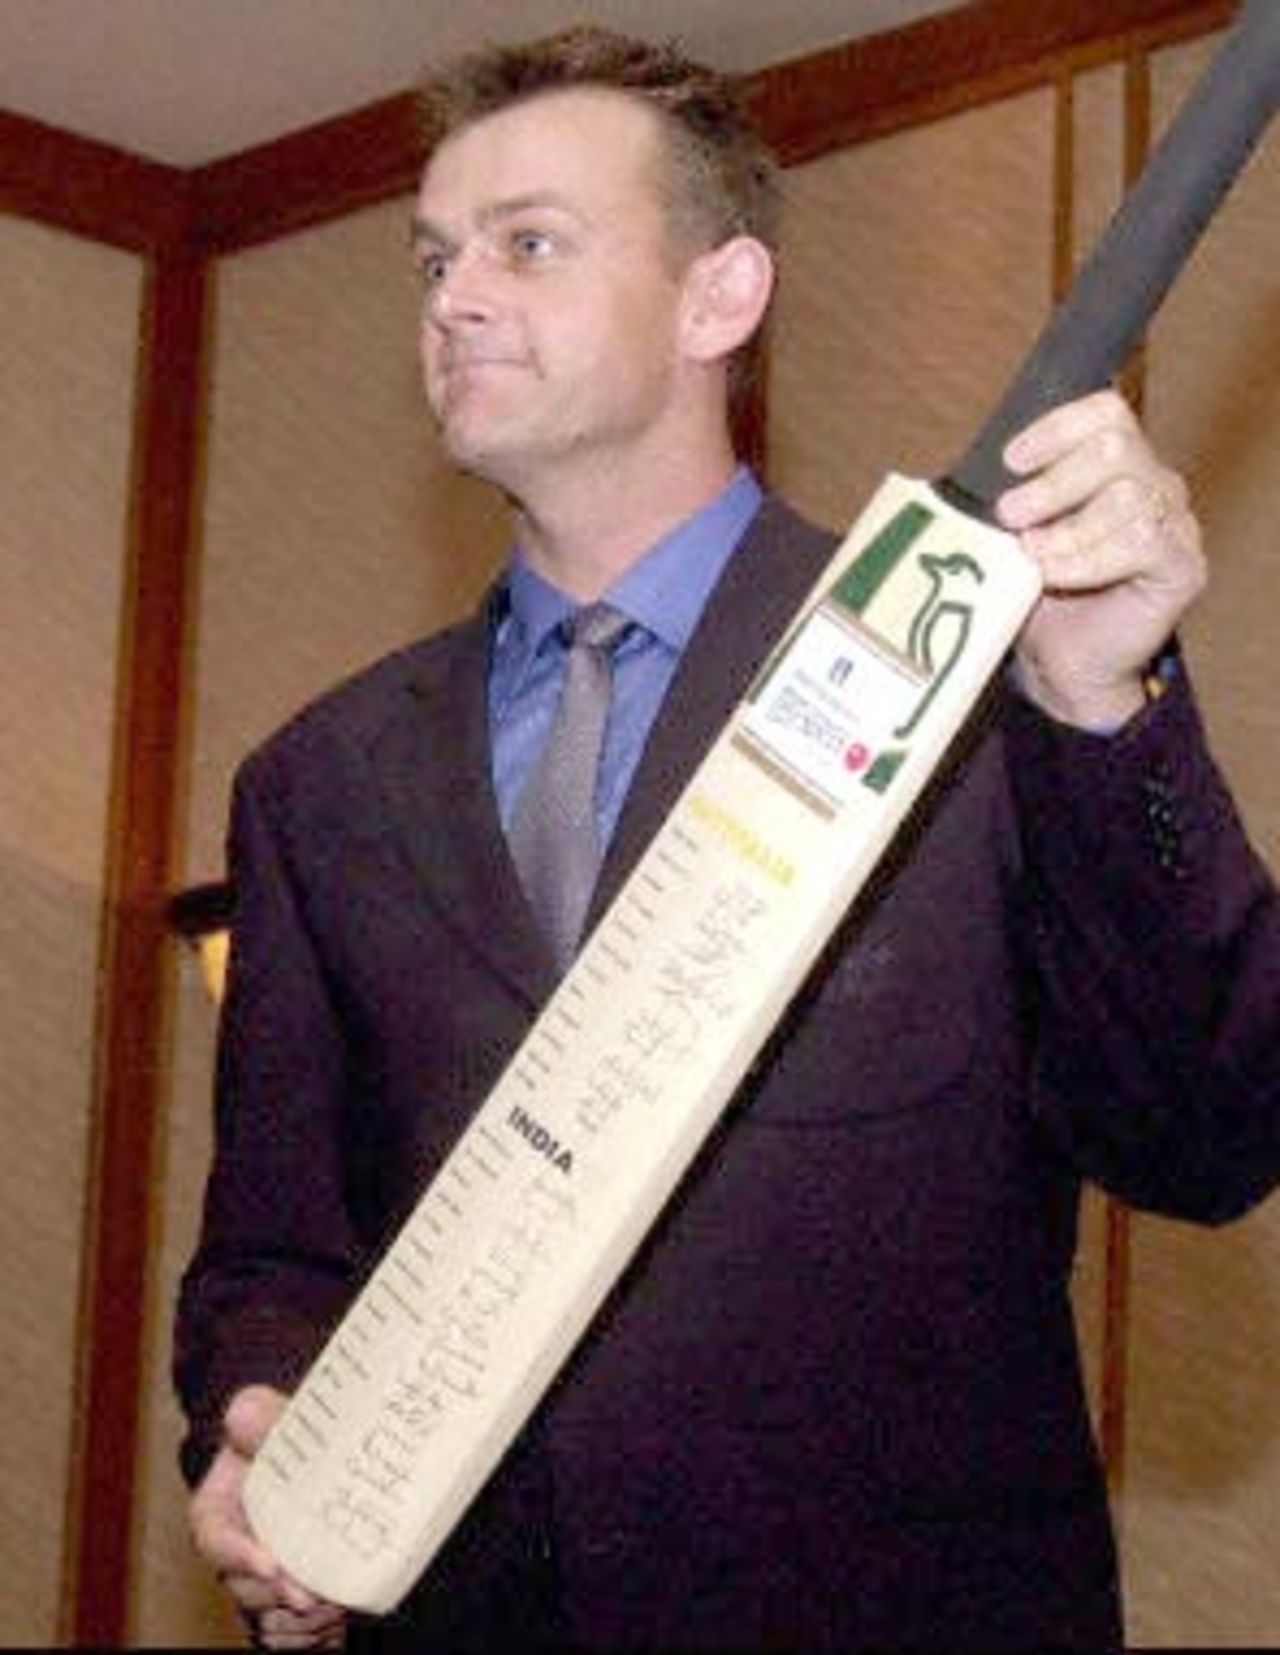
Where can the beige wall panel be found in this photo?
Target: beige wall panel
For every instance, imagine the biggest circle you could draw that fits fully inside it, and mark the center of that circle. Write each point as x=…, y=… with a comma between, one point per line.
x=917, y=271
x=333, y=533
x=1089, y=1294
x=176, y=1601
x=1203, y=1481
x=1203, y=1487
x=68, y=337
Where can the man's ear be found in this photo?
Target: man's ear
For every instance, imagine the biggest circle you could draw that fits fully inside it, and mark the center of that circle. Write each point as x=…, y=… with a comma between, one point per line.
x=727, y=292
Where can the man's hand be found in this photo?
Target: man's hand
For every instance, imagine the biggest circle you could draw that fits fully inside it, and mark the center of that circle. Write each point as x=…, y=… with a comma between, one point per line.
x=282, y=1614
x=1120, y=551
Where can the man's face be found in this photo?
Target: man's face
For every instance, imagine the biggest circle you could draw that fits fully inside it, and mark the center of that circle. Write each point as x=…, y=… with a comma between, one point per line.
x=552, y=298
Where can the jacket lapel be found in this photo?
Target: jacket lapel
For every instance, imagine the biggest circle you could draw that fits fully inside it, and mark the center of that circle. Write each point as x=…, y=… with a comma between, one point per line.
x=432, y=763
x=779, y=560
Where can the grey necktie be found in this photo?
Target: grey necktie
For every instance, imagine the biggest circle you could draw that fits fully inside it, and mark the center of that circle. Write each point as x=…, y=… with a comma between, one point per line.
x=553, y=833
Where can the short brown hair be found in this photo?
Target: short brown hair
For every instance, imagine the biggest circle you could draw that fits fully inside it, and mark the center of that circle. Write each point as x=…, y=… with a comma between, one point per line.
x=723, y=179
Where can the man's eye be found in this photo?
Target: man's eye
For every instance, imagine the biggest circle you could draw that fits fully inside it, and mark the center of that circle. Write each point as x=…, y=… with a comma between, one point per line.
x=530, y=246
x=432, y=269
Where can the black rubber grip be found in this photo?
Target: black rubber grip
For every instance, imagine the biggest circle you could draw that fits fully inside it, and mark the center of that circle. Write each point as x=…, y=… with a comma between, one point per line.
x=1122, y=283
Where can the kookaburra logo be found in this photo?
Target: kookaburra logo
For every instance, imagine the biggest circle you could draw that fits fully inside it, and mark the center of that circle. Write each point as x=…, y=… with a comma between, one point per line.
x=540, y=1139
x=940, y=628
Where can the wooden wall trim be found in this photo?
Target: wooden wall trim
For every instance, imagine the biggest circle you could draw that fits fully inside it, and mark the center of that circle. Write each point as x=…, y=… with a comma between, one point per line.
x=808, y=107
x=309, y=177
x=957, y=60
x=136, y=950
x=89, y=188
x=818, y=103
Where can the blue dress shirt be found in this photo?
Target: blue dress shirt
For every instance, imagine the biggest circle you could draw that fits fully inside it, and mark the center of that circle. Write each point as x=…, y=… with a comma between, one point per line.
x=664, y=593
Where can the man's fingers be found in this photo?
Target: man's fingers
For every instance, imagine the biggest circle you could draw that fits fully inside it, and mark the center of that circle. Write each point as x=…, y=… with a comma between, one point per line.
x=250, y=1415
x=218, y=1526
x=1067, y=427
x=1129, y=529
x=1108, y=460
x=322, y=1627
x=252, y=1593
x=319, y=1618
x=283, y=1614
x=276, y=1604
x=1099, y=509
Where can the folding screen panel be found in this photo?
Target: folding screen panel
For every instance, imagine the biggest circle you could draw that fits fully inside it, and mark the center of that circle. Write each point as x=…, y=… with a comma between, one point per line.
x=68, y=341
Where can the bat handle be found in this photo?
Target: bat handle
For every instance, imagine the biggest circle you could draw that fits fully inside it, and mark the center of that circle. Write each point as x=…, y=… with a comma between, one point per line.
x=1125, y=278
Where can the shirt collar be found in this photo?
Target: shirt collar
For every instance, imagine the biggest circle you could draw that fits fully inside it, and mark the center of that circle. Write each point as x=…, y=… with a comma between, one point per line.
x=666, y=590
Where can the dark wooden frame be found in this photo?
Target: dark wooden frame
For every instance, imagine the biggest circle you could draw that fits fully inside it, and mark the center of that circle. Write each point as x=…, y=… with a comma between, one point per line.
x=180, y=222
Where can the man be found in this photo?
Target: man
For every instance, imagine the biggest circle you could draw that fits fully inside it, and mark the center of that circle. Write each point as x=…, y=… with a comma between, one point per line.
x=836, y=1402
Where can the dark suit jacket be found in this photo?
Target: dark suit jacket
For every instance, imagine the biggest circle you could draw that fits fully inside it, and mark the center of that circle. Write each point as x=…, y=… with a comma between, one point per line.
x=836, y=1400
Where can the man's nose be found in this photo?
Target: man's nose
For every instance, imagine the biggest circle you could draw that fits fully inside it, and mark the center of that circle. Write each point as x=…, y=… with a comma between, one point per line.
x=463, y=292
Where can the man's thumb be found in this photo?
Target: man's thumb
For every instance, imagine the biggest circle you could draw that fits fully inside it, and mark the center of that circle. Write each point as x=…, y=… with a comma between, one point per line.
x=250, y=1415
